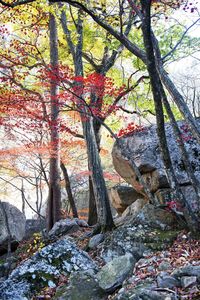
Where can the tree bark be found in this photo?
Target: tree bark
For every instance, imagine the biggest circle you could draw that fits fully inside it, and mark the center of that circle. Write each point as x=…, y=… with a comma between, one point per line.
x=69, y=191
x=54, y=201
x=105, y=220
x=92, y=214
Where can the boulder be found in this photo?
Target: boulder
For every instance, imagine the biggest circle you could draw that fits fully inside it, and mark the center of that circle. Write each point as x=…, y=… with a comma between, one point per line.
x=62, y=227
x=131, y=211
x=155, y=217
x=82, y=286
x=44, y=268
x=143, y=148
x=134, y=208
x=122, y=196
x=135, y=239
x=188, y=270
x=156, y=180
x=81, y=223
x=188, y=281
x=96, y=240
x=166, y=281
x=34, y=226
x=12, y=226
x=112, y=275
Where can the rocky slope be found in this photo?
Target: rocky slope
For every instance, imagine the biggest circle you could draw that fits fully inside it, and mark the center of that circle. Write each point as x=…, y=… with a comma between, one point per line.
x=147, y=257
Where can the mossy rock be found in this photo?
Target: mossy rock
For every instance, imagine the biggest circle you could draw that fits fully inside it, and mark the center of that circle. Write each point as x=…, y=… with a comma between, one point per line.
x=159, y=240
x=82, y=286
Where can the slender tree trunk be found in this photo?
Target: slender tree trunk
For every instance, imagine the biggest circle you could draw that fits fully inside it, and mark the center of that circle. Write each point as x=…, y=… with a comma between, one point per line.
x=69, y=191
x=105, y=219
x=54, y=201
x=92, y=214
x=23, y=200
x=178, y=99
x=173, y=91
x=155, y=84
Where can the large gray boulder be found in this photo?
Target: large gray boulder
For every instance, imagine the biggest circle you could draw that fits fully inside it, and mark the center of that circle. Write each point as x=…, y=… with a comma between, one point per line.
x=44, y=269
x=112, y=275
x=143, y=147
x=155, y=217
x=12, y=225
x=63, y=227
x=83, y=285
x=135, y=239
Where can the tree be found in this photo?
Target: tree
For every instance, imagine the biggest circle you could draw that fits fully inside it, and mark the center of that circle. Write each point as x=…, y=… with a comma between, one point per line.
x=54, y=201
x=107, y=60
x=152, y=59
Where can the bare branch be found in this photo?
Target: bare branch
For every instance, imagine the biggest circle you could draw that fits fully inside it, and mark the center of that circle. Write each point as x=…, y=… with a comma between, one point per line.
x=180, y=41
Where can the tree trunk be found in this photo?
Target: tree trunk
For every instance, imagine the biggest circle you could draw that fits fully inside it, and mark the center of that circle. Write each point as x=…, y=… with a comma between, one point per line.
x=23, y=200
x=178, y=99
x=69, y=191
x=54, y=201
x=92, y=214
x=105, y=219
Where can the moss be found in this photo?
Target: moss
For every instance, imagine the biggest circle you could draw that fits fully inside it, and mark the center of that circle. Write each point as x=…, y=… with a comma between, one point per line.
x=2, y=261
x=58, y=261
x=40, y=281
x=159, y=240
x=60, y=292
x=168, y=235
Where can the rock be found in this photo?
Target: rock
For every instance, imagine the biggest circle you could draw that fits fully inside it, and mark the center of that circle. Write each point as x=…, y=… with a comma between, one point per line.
x=4, y=270
x=34, y=226
x=6, y=265
x=163, y=196
x=156, y=180
x=166, y=281
x=63, y=226
x=96, y=240
x=187, y=281
x=112, y=275
x=134, y=208
x=156, y=217
x=121, y=241
x=135, y=239
x=122, y=196
x=164, y=265
x=81, y=223
x=143, y=148
x=12, y=226
x=44, y=268
x=149, y=295
x=131, y=212
x=82, y=286
x=144, y=290
x=188, y=270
